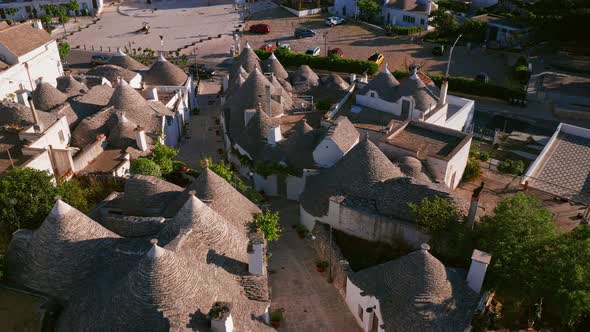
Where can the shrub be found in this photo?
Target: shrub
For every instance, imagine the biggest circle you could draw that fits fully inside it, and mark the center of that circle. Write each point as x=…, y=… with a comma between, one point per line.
x=162, y=155
x=64, y=50
x=301, y=230
x=73, y=193
x=145, y=166
x=274, y=167
x=398, y=30
x=485, y=156
x=472, y=170
x=434, y=215
x=290, y=59
x=268, y=223
x=323, y=104
x=510, y=166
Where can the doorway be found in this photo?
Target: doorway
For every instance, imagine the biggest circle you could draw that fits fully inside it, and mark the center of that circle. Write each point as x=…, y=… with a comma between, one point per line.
x=375, y=324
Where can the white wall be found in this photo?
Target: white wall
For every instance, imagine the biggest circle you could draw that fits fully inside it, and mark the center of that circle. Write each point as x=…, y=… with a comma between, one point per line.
x=457, y=164
x=51, y=136
x=268, y=185
x=41, y=161
x=464, y=117
x=44, y=62
x=350, y=5
x=305, y=12
x=378, y=104
x=354, y=299
x=295, y=186
x=396, y=17
x=327, y=153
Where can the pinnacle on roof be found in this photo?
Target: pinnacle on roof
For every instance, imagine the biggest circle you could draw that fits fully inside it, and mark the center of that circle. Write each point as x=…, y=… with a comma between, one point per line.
x=123, y=134
x=163, y=72
x=46, y=96
x=276, y=67
x=155, y=251
x=247, y=59
x=247, y=45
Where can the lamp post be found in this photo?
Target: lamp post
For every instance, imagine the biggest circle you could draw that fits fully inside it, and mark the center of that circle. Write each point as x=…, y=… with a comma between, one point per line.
x=326, y=42
x=450, y=55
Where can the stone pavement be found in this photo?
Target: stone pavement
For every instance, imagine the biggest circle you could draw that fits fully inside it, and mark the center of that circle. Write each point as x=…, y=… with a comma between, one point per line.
x=309, y=301
x=205, y=131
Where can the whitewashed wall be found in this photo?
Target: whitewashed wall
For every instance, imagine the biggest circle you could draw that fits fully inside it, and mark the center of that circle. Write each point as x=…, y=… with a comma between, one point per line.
x=464, y=117
x=354, y=299
x=41, y=161
x=378, y=104
x=268, y=185
x=327, y=153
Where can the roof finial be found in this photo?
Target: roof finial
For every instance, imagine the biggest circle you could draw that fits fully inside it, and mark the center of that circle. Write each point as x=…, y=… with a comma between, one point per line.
x=207, y=163
x=246, y=45
x=386, y=69
x=156, y=251
x=424, y=247
x=367, y=136
x=272, y=56
x=192, y=193
x=57, y=198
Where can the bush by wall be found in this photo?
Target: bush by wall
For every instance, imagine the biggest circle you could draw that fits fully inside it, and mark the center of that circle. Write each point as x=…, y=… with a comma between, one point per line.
x=290, y=59
x=473, y=87
x=515, y=167
x=399, y=30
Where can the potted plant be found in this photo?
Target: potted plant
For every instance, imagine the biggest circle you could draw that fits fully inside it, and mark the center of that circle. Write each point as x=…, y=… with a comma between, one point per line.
x=276, y=317
x=301, y=231
x=321, y=266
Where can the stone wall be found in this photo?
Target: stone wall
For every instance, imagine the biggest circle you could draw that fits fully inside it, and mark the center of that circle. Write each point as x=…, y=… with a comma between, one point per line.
x=321, y=245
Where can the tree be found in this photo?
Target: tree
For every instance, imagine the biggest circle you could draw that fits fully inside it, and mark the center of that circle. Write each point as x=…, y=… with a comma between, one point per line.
x=145, y=166
x=73, y=193
x=73, y=6
x=435, y=215
x=268, y=223
x=162, y=155
x=368, y=8
x=11, y=12
x=62, y=14
x=444, y=22
x=46, y=20
x=64, y=50
x=519, y=225
x=26, y=197
x=50, y=9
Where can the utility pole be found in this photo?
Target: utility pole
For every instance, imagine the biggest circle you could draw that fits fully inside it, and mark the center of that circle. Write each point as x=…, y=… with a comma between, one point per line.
x=450, y=55
x=326, y=42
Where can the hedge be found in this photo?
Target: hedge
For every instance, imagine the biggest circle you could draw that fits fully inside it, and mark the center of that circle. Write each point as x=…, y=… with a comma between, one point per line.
x=290, y=59
x=398, y=30
x=472, y=87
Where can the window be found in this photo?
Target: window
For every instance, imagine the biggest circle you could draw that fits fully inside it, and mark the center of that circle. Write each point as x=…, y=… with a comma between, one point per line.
x=361, y=311
x=61, y=136
x=409, y=19
x=372, y=94
x=421, y=21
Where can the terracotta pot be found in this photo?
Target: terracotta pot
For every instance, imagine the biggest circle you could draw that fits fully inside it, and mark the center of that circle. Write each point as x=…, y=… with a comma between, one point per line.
x=275, y=323
x=320, y=269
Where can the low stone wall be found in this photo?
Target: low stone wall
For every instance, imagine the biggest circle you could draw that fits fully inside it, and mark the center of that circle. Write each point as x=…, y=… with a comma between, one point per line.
x=340, y=267
x=305, y=12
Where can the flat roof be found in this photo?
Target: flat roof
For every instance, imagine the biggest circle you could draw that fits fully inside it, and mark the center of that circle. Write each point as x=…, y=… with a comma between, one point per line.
x=9, y=142
x=563, y=167
x=426, y=139
x=105, y=162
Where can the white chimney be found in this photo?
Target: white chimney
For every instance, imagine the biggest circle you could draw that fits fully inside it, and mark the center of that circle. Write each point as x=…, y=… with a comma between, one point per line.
x=352, y=78
x=226, y=83
x=444, y=87
x=152, y=94
x=22, y=97
x=256, y=256
x=248, y=114
x=140, y=139
x=267, y=101
x=274, y=135
x=477, y=271
x=221, y=320
x=37, y=24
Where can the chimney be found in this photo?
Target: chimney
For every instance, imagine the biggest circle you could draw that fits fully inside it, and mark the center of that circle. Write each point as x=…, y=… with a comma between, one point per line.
x=22, y=97
x=248, y=114
x=473, y=206
x=444, y=87
x=267, y=101
x=140, y=139
x=152, y=94
x=37, y=24
x=226, y=83
x=274, y=135
x=256, y=255
x=221, y=320
x=477, y=271
x=38, y=126
x=352, y=78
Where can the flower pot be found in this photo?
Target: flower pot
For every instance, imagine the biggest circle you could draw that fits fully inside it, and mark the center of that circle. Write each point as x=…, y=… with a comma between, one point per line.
x=320, y=269
x=275, y=323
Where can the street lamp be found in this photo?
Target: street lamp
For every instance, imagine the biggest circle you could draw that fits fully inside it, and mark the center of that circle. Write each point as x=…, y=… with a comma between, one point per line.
x=326, y=42
x=450, y=55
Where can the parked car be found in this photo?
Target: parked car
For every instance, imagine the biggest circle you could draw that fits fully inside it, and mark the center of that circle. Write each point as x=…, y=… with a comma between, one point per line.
x=334, y=20
x=336, y=51
x=268, y=47
x=260, y=28
x=283, y=45
x=376, y=58
x=99, y=59
x=439, y=50
x=304, y=32
x=313, y=51
x=482, y=77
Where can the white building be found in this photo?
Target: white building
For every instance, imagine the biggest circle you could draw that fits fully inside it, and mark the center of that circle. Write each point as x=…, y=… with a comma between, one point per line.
x=27, y=55
x=443, y=151
x=417, y=98
x=340, y=138
x=29, y=9
x=393, y=12
x=416, y=292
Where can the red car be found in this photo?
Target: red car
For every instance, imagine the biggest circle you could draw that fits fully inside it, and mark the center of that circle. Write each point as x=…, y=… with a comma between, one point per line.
x=260, y=28
x=268, y=47
x=336, y=51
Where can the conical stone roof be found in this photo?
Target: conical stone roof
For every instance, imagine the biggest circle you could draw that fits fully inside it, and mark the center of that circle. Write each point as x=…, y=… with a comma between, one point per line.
x=112, y=73
x=423, y=95
x=276, y=67
x=15, y=114
x=385, y=84
x=46, y=96
x=247, y=59
x=252, y=93
x=304, y=78
x=125, y=61
x=125, y=98
x=70, y=86
x=162, y=72
x=62, y=252
x=122, y=135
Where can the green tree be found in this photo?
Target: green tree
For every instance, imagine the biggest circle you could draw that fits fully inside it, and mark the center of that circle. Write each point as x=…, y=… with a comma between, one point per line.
x=64, y=50
x=62, y=15
x=368, y=8
x=162, y=155
x=11, y=12
x=46, y=20
x=73, y=193
x=519, y=225
x=73, y=6
x=444, y=22
x=221, y=168
x=268, y=223
x=145, y=166
x=472, y=169
x=50, y=9
x=435, y=215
